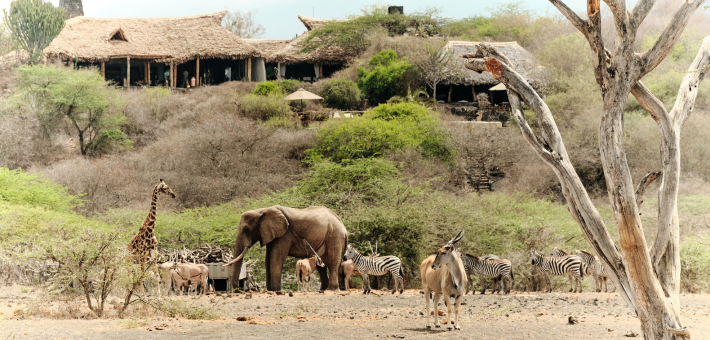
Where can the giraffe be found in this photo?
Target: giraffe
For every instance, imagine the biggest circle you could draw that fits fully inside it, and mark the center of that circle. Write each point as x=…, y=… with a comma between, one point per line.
x=144, y=244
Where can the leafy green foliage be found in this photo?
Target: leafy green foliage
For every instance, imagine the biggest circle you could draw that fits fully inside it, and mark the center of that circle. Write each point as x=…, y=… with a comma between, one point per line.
x=268, y=88
x=341, y=94
x=695, y=264
x=384, y=77
x=386, y=128
x=81, y=99
x=405, y=111
x=352, y=35
x=264, y=107
x=289, y=85
x=33, y=23
x=19, y=187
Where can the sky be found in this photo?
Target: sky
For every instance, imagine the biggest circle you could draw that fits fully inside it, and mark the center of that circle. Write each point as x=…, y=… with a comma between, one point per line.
x=280, y=17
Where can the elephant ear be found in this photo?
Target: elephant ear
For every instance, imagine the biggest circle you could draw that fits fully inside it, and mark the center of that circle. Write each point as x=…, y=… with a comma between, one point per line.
x=272, y=224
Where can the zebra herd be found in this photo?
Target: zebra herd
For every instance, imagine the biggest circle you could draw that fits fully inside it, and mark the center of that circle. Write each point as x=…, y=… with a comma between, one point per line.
x=500, y=270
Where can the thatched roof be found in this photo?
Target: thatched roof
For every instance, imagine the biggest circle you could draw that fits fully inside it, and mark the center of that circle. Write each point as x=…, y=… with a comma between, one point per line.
x=162, y=39
x=524, y=62
x=314, y=23
x=326, y=55
x=267, y=47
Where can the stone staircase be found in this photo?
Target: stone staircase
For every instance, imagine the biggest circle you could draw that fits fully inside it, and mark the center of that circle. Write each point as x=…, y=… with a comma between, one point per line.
x=476, y=174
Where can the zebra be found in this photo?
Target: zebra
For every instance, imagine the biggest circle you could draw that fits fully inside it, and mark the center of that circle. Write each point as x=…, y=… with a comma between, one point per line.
x=570, y=264
x=489, y=266
x=557, y=252
x=376, y=265
x=597, y=271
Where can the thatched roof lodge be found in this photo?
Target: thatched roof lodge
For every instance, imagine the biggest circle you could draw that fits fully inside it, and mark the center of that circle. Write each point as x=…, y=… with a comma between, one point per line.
x=157, y=51
x=321, y=63
x=473, y=83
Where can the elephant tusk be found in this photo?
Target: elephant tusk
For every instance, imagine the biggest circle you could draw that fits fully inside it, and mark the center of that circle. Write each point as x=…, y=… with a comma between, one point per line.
x=237, y=258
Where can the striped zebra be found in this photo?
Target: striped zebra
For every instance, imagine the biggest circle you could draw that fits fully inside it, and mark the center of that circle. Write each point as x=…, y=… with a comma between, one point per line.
x=570, y=264
x=557, y=252
x=376, y=265
x=490, y=266
x=597, y=271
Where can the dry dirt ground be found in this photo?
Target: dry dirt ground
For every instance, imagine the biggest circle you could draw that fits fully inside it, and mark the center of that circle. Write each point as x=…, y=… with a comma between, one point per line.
x=355, y=316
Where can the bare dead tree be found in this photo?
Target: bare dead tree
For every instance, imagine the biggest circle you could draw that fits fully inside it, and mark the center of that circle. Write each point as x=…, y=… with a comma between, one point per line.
x=243, y=24
x=436, y=63
x=649, y=278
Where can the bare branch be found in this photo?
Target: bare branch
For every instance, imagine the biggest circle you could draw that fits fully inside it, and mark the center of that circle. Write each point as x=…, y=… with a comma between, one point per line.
x=478, y=65
x=688, y=91
x=682, y=332
x=640, y=11
x=643, y=184
x=649, y=102
x=578, y=22
x=664, y=45
x=552, y=150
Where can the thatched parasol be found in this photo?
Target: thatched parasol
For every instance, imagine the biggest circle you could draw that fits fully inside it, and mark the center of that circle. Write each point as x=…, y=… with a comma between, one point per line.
x=302, y=94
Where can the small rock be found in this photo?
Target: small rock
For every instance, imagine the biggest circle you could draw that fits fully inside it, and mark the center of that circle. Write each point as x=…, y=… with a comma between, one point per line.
x=352, y=318
x=609, y=330
x=241, y=318
x=572, y=320
x=247, y=296
x=631, y=334
x=290, y=294
x=279, y=293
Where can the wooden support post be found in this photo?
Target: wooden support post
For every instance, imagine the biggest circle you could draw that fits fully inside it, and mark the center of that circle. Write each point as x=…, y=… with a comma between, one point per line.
x=249, y=70
x=320, y=71
x=473, y=91
x=103, y=69
x=197, y=71
x=128, y=72
x=146, y=68
x=451, y=89
x=172, y=74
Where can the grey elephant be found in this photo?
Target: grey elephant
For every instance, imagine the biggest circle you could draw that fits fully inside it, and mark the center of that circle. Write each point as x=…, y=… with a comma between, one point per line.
x=283, y=231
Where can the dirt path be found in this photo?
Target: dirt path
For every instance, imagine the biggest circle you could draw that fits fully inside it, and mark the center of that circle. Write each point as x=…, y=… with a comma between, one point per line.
x=340, y=316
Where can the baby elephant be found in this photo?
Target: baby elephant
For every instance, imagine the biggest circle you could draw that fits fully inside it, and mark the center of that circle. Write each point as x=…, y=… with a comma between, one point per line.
x=304, y=269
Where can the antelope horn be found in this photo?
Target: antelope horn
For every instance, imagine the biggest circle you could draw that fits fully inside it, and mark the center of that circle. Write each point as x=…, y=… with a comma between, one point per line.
x=456, y=239
x=309, y=246
x=237, y=258
x=370, y=244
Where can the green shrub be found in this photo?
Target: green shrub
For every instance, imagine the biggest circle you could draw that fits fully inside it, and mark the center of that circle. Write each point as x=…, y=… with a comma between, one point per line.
x=401, y=126
x=19, y=187
x=259, y=107
x=384, y=77
x=341, y=94
x=268, y=88
x=289, y=86
x=409, y=111
x=695, y=264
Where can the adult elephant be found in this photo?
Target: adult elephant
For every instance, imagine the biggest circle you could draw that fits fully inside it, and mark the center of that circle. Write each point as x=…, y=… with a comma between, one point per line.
x=283, y=231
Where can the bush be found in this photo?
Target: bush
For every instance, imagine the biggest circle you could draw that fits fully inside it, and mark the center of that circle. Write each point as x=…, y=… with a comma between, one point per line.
x=263, y=108
x=268, y=88
x=402, y=126
x=18, y=187
x=408, y=111
x=289, y=86
x=695, y=264
x=384, y=77
x=341, y=94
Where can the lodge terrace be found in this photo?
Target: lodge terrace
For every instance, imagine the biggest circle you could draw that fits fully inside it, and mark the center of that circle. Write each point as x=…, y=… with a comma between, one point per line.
x=157, y=51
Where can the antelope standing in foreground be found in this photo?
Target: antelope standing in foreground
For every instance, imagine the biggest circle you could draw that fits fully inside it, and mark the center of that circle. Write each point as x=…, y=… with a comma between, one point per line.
x=305, y=267
x=444, y=274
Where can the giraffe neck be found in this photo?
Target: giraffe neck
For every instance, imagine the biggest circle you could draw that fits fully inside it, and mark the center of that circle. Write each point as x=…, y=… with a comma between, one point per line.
x=149, y=222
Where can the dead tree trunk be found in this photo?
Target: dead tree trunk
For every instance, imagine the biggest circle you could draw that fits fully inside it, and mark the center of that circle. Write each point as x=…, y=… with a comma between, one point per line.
x=648, y=279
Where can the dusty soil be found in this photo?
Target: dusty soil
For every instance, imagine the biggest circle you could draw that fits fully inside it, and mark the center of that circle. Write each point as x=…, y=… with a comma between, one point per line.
x=341, y=316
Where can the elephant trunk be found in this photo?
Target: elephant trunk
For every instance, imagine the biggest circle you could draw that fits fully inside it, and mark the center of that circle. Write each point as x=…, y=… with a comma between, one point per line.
x=237, y=267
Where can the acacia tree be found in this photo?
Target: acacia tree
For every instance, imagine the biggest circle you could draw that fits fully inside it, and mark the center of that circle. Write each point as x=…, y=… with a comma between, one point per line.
x=648, y=278
x=436, y=63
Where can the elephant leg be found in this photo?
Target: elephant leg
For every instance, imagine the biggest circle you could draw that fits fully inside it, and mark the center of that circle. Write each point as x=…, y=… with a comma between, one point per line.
x=323, y=275
x=274, y=267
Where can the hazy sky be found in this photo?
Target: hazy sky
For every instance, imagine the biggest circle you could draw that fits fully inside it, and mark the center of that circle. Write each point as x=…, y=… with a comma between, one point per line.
x=280, y=17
